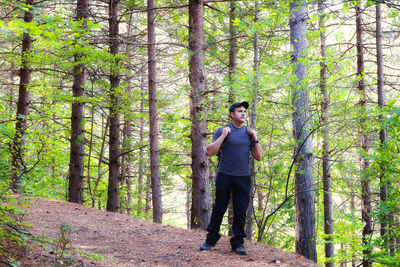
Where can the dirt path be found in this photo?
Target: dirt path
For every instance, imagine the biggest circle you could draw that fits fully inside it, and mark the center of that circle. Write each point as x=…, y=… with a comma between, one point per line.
x=128, y=241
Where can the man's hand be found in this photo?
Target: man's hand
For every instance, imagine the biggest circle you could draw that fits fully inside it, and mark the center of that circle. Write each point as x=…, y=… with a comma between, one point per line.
x=226, y=131
x=213, y=148
x=252, y=133
x=256, y=150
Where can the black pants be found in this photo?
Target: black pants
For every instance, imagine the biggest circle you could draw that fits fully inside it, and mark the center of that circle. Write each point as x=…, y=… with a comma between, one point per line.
x=240, y=188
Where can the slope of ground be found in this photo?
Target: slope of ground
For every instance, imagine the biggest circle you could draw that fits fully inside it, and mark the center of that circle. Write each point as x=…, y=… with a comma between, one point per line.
x=127, y=241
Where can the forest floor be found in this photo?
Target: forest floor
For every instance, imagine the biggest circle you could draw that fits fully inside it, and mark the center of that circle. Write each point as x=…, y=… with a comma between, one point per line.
x=122, y=240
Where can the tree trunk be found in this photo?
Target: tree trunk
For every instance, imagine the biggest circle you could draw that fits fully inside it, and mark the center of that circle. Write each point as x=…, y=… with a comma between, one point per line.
x=127, y=158
x=353, y=211
x=104, y=129
x=114, y=142
x=148, y=194
x=153, y=118
x=253, y=124
x=231, y=74
x=326, y=157
x=304, y=181
x=365, y=187
x=77, y=145
x=89, y=158
x=381, y=104
x=17, y=161
x=200, y=214
x=141, y=183
x=232, y=49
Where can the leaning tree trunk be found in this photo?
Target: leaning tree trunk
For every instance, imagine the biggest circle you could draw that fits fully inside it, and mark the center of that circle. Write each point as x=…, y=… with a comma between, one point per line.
x=304, y=181
x=326, y=156
x=200, y=214
x=114, y=141
x=77, y=142
x=154, y=165
x=17, y=161
x=382, y=133
x=365, y=183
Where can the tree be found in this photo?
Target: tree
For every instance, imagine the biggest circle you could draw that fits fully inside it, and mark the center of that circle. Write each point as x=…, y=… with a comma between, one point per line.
x=232, y=48
x=77, y=153
x=381, y=104
x=153, y=117
x=253, y=120
x=365, y=183
x=326, y=156
x=200, y=185
x=23, y=103
x=114, y=141
x=304, y=182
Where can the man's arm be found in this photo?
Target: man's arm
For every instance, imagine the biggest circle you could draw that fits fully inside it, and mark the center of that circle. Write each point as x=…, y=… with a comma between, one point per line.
x=213, y=147
x=256, y=150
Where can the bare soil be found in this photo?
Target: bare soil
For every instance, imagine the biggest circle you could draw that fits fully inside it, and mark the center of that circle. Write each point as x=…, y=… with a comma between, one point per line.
x=126, y=241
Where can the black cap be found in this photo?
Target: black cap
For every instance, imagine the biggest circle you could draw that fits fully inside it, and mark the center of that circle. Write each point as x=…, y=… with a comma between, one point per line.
x=241, y=104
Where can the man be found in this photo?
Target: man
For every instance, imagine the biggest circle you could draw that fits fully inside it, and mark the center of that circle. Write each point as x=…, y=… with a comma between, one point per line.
x=235, y=141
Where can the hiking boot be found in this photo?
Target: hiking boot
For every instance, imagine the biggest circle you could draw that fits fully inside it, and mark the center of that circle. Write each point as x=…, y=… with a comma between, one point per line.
x=240, y=251
x=206, y=246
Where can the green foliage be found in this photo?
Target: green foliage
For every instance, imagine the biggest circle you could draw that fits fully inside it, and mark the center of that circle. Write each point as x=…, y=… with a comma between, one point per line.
x=14, y=237
x=386, y=167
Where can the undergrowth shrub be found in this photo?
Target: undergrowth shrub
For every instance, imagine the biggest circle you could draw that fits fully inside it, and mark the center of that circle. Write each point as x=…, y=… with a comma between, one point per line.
x=14, y=238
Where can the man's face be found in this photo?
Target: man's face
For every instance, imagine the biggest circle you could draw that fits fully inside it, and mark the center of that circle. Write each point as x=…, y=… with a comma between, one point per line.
x=239, y=114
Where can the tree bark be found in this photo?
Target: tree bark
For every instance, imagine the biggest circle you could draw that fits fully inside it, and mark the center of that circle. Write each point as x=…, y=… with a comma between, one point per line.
x=127, y=173
x=141, y=183
x=17, y=161
x=365, y=183
x=77, y=142
x=304, y=181
x=200, y=214
x=154, y=164
x=326, y=157
x=381, y=104
x=253, y=124
x=232, y=49
x=114, y=141
x=231, y=74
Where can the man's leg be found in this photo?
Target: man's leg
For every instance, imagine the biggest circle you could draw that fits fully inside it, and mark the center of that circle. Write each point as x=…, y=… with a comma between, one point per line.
x=222, y=193
x=240, y=201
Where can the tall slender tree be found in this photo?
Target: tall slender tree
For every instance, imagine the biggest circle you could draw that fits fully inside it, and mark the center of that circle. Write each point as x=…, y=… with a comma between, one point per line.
x=17, y=162
x=326, y=156
x=253, y=122
x=153, y=117
x=114, y=139
x=141, y=182
x=381, y=104
x=77, y=142
x=304, y=180
x=232, y=48
x=200, y=214
x=232, y=65
x=365, y=183
x=127, y=168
